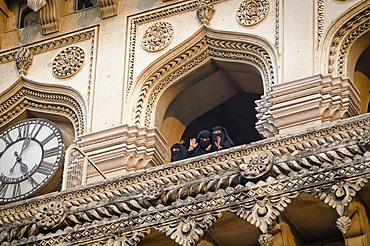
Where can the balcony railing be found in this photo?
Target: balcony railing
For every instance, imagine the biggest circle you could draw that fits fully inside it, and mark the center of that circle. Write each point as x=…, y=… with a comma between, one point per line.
x=79, y=169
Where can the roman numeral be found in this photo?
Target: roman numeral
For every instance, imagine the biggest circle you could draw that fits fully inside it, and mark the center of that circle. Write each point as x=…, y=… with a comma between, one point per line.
x=17, y=190
x=48, y=138
x=3, y=189
x=7, y=138
x=45, y=168
x=33, y=181
x=51, y=152
x=37, y=130
x=23, y=131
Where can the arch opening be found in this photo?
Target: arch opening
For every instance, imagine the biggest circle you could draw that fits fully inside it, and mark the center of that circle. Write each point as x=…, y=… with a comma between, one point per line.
x=362, y=76
x=218, y=93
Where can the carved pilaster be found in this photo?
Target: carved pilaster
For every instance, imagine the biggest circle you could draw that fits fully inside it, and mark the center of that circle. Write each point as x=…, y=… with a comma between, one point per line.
x=125, y=148
x=49, y=17
x=108, y=8
x=293, y=106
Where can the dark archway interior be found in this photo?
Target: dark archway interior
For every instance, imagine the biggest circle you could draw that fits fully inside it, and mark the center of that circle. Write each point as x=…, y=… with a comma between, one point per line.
x=363, y=63
x=237, y=115
x=219, y=93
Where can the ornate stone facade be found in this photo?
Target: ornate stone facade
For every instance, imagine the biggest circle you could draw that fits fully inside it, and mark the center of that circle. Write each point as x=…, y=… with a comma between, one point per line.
x=330, y=163
x=125, y=80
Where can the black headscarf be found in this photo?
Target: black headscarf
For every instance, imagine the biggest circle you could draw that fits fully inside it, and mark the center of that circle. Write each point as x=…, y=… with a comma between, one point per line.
x=226, y=141
x=202, y=145
x=178, y=154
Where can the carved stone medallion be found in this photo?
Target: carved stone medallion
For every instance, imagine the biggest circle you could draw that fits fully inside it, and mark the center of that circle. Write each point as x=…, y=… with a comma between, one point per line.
x=157, y=36
x=255, y=165
x=68, y=62
x=251, y=12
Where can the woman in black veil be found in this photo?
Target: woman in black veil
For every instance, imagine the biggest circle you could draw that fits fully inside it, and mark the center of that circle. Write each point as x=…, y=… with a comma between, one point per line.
x=178, y=152
x=220, y=138
x=200, y=145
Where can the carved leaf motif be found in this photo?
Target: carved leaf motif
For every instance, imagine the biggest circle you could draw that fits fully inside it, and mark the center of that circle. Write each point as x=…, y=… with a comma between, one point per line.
x=129, y=239
x=36, y=5
x=263, y=212
x=23, y=60
x=341, y=193
x=189, y=230
x=343, y=224
x=266, y=239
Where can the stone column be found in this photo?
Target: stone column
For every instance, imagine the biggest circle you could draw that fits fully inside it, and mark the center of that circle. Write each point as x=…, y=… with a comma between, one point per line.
x=123, y=149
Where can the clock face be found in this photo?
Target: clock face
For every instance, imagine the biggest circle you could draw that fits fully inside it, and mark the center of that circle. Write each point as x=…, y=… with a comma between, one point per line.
x=30, y=153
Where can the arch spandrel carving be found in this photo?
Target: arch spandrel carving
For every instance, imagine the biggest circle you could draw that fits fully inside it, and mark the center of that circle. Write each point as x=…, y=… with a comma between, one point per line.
x=205, y=45
x=342, y=35
x=26, y=95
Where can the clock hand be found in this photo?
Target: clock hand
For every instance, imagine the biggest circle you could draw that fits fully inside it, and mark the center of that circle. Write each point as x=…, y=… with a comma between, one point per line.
x=25, y=144
x=28, y=139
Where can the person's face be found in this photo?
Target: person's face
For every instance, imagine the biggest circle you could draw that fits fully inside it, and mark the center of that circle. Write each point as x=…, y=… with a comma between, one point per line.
x=175, y=149
x=204, y=139
x=216, y=132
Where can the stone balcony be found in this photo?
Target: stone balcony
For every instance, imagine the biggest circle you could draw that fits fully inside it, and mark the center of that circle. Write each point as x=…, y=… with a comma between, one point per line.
x=295, y=189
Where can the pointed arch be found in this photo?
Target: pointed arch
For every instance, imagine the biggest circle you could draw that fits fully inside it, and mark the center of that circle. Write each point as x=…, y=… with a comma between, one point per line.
x=51, y=99
x=350, y=30
x=205, y=45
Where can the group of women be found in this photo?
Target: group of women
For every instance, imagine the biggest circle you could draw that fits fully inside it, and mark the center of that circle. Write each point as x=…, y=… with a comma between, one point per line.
x=205, y=142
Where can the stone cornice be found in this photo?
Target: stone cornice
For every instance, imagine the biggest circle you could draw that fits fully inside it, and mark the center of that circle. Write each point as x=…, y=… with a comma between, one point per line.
x=256, y=182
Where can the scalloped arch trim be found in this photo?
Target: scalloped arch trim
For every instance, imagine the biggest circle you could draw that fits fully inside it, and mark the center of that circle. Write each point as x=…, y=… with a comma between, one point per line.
x=206, y=44
x=25, y=95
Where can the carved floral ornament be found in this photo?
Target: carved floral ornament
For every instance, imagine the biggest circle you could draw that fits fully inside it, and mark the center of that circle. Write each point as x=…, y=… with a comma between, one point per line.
x=251, y=12
x=50, y=215
x=157, y=36
x=255, y=165
x=23, y=60
x=68, y=62
x=205, y=11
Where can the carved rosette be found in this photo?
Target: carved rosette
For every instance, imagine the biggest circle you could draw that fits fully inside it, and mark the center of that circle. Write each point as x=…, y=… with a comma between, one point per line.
x=23, y=60
x=364, y=139
x=205, y=11
x=251, y=12
x=266, y=239
x=255, y=165
x=152, y=194
x=50, y=215
x=189, y=231
x=68, y=62
x=157, y=36
x=344, y=223
x=36, y=5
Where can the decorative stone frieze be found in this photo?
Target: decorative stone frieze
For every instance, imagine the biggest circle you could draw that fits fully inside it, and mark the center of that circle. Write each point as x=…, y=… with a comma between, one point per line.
x=23, y=60
x=157, y=36
x=328, y=162
x=68, y=62
x=251, y=12
x=205, y=11
x=291, y=106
